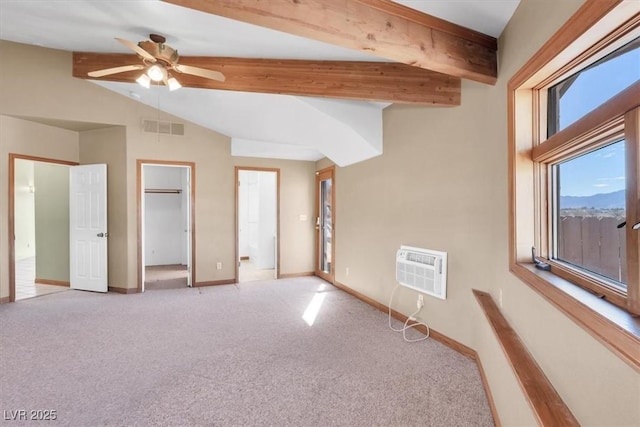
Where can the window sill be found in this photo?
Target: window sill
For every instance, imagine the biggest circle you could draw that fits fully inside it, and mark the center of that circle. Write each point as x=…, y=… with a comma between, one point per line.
x=616, y=328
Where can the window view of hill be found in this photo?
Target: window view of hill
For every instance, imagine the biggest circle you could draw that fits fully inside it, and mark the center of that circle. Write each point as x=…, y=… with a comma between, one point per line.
x=603, y=204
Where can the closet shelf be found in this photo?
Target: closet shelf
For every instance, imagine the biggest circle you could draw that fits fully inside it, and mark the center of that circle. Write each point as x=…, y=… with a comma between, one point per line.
x=162, y=191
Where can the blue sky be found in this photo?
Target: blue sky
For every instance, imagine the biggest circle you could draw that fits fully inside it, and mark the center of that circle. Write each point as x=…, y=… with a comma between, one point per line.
x=601, y=171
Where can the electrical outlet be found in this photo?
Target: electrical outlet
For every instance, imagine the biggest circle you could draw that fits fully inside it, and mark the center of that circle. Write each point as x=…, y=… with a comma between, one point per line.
x=420, y=302
x=219, y=265
x=500, y=297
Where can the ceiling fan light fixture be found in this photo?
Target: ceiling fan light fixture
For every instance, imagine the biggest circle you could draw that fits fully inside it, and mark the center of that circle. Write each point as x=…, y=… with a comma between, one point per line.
x=144, y=81
x=156, y=73
x=173, y=84
x=159, y=60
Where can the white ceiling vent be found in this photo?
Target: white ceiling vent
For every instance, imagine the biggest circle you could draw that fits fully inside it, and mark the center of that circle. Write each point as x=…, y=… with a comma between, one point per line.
x=165, y=128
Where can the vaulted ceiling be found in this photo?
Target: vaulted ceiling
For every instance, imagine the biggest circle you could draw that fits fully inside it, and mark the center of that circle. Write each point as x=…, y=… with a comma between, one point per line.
x=305, y=78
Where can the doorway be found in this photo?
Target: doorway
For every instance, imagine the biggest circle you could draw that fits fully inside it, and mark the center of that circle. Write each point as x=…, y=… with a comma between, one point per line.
x=38, y=226
x=257, y=224
x=325, y=224
x=166, y=192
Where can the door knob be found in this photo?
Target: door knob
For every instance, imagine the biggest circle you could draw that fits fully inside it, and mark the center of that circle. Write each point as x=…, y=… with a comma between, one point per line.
x=102, y=234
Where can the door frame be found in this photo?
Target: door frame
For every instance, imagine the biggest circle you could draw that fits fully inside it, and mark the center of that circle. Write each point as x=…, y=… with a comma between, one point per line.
x=11, y=205
x=236, y=183
x=192, y=219
x=322, y=175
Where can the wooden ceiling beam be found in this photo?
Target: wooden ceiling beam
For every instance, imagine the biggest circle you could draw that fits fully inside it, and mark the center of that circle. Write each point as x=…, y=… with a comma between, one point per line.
x=372, y=81
x=379, y=27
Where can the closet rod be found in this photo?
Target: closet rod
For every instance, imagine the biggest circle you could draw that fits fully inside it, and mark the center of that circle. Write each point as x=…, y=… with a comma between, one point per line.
x=162, y=191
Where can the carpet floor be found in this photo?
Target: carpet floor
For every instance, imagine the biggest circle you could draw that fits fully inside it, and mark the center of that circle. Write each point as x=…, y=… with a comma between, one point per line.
x=228, y=355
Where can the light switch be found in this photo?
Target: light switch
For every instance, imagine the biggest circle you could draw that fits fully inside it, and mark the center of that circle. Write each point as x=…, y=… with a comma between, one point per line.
x=303, y=217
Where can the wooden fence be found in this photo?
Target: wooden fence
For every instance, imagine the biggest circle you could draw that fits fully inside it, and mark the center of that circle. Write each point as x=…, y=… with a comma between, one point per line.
x=595, y=244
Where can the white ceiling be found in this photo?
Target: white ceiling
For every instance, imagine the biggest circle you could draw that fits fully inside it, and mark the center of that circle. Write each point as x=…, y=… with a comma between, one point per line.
x=259, y=124
x=486, y=16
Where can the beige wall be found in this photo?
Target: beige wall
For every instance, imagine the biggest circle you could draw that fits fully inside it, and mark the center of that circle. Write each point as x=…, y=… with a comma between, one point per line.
x=52, y=221
x=109, y=146
x=215, y=200
x=26, y=91
x=442, y=184
x=30, y=139
x=62, y=97
x=214, y=192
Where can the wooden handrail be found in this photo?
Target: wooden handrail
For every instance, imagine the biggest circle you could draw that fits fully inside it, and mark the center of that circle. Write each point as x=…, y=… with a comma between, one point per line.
x=547, y=405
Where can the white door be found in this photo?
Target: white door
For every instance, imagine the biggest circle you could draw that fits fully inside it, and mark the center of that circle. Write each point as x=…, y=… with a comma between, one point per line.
x=88, y=227
x=187, y=200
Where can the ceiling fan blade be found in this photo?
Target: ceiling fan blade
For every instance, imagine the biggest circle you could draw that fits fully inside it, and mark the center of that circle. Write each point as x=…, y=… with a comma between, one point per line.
x=200, y=72
x=137, y=49
x=115, y=70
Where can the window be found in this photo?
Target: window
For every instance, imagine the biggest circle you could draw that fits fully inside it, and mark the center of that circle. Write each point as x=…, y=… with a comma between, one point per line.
x=583, y=163
x=589, y=88
x=588, y=210
x=574, y=162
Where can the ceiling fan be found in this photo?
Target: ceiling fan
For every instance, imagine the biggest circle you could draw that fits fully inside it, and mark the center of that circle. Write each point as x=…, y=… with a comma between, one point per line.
x=158, y=60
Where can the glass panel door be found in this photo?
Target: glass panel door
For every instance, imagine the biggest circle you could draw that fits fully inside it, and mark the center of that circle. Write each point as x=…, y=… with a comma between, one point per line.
x=324, y=224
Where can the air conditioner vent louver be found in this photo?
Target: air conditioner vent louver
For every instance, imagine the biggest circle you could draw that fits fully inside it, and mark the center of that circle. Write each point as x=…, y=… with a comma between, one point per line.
x=177, y=129
x=150, y=126
x=421, y=258
x=164, y=127
x=161, y=127
x=423, y=270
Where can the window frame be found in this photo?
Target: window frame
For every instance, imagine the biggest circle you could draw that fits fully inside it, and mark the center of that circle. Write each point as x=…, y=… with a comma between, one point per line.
x=597, y=129
x=599, y=284
x=621, y=38
x=596, y=29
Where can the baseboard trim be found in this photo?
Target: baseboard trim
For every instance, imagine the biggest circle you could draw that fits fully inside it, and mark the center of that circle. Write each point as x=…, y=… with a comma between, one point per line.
x=214, y=283
x=294, y=275
x=126, y=291
x=5, y=300
x=437, y=336
x=443, y=339
x=52, y=282
x=487, y=391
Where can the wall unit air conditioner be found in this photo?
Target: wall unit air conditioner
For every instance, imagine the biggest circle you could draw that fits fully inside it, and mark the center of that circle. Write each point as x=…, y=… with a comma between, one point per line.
x=423, y=270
